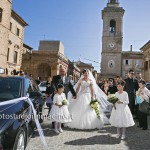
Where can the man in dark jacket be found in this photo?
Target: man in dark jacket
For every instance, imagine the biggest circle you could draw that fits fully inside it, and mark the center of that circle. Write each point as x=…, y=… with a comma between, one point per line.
x=112, y=89
x=131, y=87
x=63, y=79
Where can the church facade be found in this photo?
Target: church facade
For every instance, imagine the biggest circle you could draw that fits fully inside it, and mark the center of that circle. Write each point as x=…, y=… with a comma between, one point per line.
x=114, y=61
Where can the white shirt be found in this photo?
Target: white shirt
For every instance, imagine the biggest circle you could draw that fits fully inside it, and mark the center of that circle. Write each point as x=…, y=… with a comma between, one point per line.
x=63, y=79
x=72, y=82
x=145, y=95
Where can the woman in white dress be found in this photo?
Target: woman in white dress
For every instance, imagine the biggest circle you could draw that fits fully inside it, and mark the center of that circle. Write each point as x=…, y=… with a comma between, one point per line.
x=121, y=116
x=83, y=116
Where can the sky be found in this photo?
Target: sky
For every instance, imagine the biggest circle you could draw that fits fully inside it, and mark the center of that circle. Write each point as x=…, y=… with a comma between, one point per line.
x=78, y=25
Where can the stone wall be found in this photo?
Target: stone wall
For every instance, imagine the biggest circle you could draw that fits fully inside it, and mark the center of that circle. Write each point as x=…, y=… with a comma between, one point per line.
x=43, y=63
x=147, y=58
x=4, y=31
x=10, y=42
x=16, y=45
x=52, y=46
x=135, y=62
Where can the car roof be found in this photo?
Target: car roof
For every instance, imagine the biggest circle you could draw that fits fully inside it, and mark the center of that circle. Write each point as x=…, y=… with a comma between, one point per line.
x=15, y=77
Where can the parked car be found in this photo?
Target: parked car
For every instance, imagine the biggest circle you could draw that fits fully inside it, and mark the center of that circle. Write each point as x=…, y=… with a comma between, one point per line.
x=16, y=131
x=148, y=85
x=42, y=87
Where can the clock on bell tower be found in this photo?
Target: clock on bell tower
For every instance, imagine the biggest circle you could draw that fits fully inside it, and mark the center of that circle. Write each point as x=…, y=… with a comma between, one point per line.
x=112, y=35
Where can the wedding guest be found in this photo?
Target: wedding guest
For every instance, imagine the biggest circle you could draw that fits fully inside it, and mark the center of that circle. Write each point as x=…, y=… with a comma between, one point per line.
x=71, y=80
x=119, y=78
x=59, y=112
x=105, y=87
x=136, y=109
x=112, y=89
x=144, y=94
x=38, y=80
x=131, y=87
x=139, y=77
x=100, y=83
x=49, y=91
x=121, y=116
x=22, y=73
x=115, y=81
x=49, y=80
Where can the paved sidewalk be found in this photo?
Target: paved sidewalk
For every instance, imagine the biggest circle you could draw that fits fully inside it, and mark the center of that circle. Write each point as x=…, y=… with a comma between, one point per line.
x=103, y=139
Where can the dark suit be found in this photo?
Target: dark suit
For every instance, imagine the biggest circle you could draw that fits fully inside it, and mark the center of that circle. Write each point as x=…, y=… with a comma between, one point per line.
x=112, y=90
x=67, y=85
x=131, y=86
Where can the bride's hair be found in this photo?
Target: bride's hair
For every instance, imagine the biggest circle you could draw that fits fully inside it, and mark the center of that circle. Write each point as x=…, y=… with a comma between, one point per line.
x=85, y=71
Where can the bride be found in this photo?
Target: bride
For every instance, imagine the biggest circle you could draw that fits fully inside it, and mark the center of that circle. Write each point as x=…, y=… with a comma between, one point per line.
x=83, y=115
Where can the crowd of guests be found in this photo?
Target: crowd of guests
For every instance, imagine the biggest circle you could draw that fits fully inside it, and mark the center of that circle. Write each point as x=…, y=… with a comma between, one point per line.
x=134, y=86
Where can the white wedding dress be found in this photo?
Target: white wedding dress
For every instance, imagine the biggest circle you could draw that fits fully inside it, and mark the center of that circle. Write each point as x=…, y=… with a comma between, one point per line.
x=83, y=116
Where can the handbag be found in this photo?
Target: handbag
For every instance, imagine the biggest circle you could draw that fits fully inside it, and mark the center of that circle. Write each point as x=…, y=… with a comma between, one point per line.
x=144, y=107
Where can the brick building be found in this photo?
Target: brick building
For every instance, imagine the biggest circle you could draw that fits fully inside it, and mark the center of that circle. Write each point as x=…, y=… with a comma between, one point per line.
x=11, y=37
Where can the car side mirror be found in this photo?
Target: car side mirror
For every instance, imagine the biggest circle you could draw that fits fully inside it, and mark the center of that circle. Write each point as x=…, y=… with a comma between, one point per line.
x=35, y=94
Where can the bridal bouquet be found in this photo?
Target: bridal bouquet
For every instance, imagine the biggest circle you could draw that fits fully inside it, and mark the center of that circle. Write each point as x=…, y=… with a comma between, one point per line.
x=95, y=105
x=112, y=99
x=64, y=102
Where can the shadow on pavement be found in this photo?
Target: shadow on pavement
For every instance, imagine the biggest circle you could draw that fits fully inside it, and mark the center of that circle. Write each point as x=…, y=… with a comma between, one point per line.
x=101, y=139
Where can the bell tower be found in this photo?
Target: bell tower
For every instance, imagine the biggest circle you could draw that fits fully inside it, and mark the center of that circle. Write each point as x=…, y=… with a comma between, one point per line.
x=112, y=36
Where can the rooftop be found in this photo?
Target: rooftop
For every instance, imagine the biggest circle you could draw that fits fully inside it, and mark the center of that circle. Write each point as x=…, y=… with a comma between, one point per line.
x=147, y=45
x=27, y=46
x=20, y=19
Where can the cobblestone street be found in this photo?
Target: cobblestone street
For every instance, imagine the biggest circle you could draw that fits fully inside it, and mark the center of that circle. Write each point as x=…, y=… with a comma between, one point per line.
x=104, y=139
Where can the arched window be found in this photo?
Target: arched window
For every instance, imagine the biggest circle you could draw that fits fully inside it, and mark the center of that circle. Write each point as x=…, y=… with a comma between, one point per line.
x=1, y=12
x=112, y=27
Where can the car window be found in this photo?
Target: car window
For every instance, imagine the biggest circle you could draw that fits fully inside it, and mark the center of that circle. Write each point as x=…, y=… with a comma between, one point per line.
x=10, y=88
x=35, y=86
x=28, y=86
